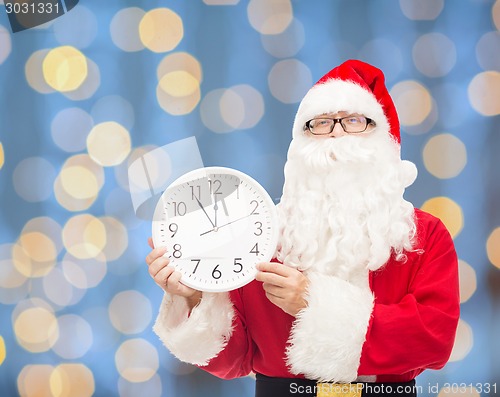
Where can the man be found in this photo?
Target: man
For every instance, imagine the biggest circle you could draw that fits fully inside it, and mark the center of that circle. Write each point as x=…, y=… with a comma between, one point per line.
x=364, y=288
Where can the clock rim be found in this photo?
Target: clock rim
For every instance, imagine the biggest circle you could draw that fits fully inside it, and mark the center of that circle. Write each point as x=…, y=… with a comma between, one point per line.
x=262, y=191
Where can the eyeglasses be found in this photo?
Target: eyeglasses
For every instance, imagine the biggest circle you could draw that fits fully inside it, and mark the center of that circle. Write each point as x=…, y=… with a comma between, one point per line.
x=350, y=124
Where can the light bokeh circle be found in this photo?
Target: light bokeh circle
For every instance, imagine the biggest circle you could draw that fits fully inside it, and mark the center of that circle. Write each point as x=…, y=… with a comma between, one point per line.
x=270, y=16
x=33, y=71
x=228, y=109
x=78, y=28
x=36, y=329
x=72, y=379
x=434, y=54
x=238, y=107
x=468, y=281
x=70, y=127
x=33, y=178
x=89, y=86
x=124, y=29
x=493, y=247
x=483, y=93
x=3, y=350
x=108, y=143
x=5, y=44
x=113, y=108
x=161, y=30
x=448, y=211
x=34, y=380
x=221, y=2
x=130, y=312
x=424, y=10
x=151, y=388
x=79, y=182
x=10, y=276
x=289, y=80
x=487, y=52
x=84, y=273
x=464, y=341
x=59, y=291
x=495, y=11
x=65, y=68
x=413, y=102
x=116, y=240
x=445, y=156
x=287, y=43
x=180, y=61
x=68, y=190
x=75, y=337
x=137, y=360
x=84, y=236
x=2, y=156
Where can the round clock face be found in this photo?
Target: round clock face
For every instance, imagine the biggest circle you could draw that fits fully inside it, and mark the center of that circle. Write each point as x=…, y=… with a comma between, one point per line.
x=217, y=224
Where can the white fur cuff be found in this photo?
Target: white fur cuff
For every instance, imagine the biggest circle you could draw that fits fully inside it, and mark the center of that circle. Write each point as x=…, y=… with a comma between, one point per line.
x=201, y=336
x=327, y=336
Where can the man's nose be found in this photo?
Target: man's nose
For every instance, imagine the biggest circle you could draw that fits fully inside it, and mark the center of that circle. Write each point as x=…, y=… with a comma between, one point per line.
x=337, y=131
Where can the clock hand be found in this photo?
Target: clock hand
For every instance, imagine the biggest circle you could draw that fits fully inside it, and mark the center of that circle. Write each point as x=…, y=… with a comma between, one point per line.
x=224, y=206
x=236, y=220
x=215, y=210
x=201, y=206
x=216, y=207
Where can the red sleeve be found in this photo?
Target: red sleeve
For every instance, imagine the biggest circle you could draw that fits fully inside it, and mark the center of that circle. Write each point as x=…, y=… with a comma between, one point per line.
x=235, y=360
x=418, y=331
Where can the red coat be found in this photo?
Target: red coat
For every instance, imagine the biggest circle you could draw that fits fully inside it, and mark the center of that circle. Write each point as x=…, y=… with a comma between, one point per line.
x=409, y=324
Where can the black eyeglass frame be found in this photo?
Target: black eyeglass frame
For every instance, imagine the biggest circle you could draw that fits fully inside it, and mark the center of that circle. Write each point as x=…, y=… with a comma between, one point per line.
x=340, y=121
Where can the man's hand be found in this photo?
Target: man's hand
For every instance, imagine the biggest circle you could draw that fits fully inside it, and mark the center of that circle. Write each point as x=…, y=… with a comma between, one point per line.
x=285, y=287
x=167, y=278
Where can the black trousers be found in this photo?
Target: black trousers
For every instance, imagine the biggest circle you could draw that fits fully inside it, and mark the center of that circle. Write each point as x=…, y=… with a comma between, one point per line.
x=291, y=387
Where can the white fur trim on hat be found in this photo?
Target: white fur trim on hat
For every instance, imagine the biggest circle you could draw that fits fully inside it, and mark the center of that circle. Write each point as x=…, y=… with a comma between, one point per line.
x=337, y=95
x=328, y=335
x=201, y=336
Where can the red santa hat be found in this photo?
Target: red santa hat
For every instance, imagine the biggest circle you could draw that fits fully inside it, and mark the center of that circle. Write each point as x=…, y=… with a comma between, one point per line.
x=354, y=87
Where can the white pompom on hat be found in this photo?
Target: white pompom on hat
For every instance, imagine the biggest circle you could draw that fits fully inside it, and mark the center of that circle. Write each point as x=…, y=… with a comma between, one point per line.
x=354, y=87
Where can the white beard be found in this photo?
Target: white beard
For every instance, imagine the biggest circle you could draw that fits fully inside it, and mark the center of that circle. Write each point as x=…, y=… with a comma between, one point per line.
x=342, y=210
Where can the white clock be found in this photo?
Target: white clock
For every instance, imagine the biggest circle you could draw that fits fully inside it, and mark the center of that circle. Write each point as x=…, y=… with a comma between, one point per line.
x=217, y=224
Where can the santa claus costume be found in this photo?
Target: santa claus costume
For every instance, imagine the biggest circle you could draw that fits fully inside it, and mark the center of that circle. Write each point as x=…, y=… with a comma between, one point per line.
x=382, y=301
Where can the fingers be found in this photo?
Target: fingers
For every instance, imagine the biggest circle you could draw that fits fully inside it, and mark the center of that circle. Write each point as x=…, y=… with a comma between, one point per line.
x=284, y=286
x=278, y=274
x=155, y=254
x=269, y=273
x=174, y=285
x=276, y=300
x=276, y=268
x=274, y=291
x=271, y=278
x=163, y=276
x=290, y=301
x=157, y=265
x=166, y=277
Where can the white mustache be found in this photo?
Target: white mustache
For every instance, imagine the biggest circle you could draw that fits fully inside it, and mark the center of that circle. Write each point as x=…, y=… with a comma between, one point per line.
x=321, y=153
